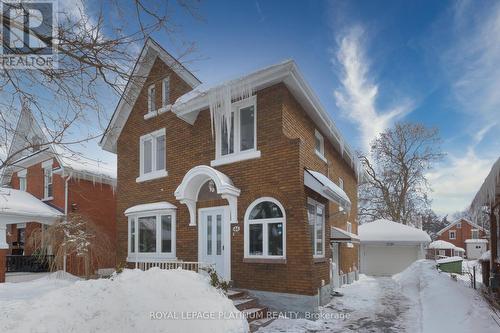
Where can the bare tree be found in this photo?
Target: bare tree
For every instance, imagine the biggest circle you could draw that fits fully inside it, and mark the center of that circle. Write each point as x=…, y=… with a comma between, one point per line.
x=396, y=187
x=97, y=44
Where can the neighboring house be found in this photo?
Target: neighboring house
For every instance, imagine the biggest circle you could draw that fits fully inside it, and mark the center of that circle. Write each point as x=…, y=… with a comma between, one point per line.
x=441, y=248
x=466, y=235
x=389, y=247
x=62, y=180
x=257, y=200
x=487, y=199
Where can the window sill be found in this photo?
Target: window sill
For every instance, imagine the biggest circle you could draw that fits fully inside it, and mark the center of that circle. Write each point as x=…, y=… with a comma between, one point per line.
x=151, y=176
x=152, y=114
x=264, y=260
x=236, y=158
x=322, y=157
x=48, y=199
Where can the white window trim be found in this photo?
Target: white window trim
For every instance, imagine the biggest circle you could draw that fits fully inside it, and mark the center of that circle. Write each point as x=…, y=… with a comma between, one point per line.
x=157, y=173
x=264, y=222
x=158, y=255
x=472, y=233
x=454, y=234
x=150, y=106
x=47, y=166
x=316, y=204
x=22, y=175
x=349, y=227
x=459, y=225
x=164, y=101
x=320, y=153
x=237, y=155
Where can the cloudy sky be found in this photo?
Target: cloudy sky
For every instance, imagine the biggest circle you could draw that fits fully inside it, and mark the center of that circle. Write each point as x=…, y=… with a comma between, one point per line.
x=372, y=63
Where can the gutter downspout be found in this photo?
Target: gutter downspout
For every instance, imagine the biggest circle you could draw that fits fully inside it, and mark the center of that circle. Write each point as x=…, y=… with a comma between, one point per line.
x=66, y=181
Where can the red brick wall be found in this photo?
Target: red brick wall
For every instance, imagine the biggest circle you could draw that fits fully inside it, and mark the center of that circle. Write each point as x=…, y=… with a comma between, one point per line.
x=277, y=173
x=3, y=264
x=462, y=233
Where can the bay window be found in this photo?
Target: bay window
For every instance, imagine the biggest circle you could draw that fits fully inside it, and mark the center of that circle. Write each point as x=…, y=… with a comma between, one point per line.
x=151, y=235
x=265, y=226
x=152, y=156
x=316, y=219
x=236, y=138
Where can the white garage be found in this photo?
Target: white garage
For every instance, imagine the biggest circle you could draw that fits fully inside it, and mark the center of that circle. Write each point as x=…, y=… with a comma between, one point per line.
x=389, y=247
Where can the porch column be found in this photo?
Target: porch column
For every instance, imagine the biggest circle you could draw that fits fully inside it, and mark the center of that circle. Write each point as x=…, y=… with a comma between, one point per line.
x=3, y=252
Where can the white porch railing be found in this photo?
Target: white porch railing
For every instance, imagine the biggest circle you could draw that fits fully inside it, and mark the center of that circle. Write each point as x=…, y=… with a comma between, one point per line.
x=186, y=265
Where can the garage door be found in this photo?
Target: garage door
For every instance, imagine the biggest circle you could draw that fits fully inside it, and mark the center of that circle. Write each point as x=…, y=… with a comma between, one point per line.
x=387, y=260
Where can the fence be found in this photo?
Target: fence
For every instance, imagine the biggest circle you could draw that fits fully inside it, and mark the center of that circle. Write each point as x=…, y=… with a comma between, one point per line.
x=32, y=264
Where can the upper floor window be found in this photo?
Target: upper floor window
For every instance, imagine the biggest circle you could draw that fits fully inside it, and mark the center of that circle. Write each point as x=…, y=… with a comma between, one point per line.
x=319, y=144
x=349, y=227
x=165, y=91
x=474, y=234
x=152, y=155
x=452, y=234
x=341, y=185
x=151, y=98
x=316, y=217
x=22, y=180
x=459, y=225
x=236, y=139
x=47, y=180
x=265, y=229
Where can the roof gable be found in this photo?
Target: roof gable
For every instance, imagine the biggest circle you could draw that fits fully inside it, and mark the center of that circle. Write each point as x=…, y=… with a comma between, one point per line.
x=142, y=67
x=462, y=220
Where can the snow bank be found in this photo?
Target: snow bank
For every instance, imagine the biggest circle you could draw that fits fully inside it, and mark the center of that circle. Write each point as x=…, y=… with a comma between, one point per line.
x=485, y=256
x=389, y=231
x=443, y=304
x=152, y=301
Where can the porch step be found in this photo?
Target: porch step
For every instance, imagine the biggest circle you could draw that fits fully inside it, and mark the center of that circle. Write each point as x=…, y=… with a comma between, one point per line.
x=257, y=324
x=255, y=313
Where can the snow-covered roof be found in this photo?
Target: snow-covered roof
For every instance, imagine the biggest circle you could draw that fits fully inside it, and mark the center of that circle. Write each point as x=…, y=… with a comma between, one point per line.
x=486, y=256
x=190, y=104
x=21, y=207
x=481, y=240
x=340, y=235
x=389, y=231
x=459, y=249
x=441, y=245
x=461, y=220
x=449, y=259
x=489, y=191
x=149, y=207
x=327, y=188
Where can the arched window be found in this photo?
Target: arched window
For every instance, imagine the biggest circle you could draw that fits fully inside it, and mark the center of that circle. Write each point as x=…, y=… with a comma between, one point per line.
x=265, y=226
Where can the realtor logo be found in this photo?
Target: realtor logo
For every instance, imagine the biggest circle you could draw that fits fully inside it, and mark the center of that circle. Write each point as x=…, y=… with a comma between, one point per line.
x=28, y=30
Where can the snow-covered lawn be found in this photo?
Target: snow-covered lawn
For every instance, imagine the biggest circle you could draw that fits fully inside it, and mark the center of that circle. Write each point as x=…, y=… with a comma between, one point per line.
x=420, y=299
x=133, y=301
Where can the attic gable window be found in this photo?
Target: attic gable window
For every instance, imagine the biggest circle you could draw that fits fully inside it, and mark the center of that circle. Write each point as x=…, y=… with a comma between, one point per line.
x=152, y=150
x=165, y=90
x=238, y=141
x=151, y=98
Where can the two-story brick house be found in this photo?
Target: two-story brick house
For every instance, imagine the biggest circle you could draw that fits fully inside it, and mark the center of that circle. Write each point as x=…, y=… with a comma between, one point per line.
x=64, y=181
x=466, y=235
x=257, y=200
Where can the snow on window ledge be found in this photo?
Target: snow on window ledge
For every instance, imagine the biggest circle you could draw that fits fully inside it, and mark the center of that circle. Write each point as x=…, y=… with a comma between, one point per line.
x=151, y=176
x=243, y=156
x=152, y=114
x=47, y=199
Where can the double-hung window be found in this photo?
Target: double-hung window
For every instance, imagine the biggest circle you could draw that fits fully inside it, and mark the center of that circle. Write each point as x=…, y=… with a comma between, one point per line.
x=165, y=92
x=349, y=227
x=152, y=156
x=151, y=235
x=47, y=180
x=475, y=234
x=265, y=229
x=316, y=217
x=319, y=145
x=452, y=234
x=236, y=138
x=22, y=179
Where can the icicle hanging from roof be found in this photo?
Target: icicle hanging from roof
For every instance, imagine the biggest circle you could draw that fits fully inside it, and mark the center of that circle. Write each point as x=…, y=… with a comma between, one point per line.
x=220, y=99
x=486, y=194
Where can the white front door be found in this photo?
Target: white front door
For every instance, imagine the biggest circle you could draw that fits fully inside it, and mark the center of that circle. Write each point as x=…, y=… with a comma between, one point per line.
x=214, y=239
